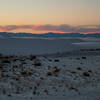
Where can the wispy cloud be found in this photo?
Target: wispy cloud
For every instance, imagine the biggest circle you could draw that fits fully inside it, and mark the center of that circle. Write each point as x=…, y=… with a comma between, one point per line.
x=52, y=28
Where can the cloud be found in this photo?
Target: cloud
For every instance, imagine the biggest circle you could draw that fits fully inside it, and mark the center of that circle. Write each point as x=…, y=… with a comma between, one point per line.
x=59, y=28
x=89, y=29
x=15, y=27
x=53, y=28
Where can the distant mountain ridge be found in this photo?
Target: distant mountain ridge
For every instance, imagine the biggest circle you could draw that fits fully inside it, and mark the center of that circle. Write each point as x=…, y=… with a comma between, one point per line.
x=50, y=34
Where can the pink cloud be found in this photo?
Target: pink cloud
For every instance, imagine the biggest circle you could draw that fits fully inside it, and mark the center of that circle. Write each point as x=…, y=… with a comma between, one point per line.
x=53, y=28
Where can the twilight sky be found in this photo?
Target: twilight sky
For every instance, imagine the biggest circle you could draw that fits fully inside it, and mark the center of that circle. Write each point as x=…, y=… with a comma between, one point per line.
x=41, y=16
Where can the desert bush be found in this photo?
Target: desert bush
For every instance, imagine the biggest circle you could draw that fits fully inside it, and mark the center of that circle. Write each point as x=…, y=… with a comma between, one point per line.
x=98, y=49
x=78, y=58
x=73, y=72
x=56, y=60
x=56, y=71
x=46, y=91
x=34, y=92
x=83, y=57
x=49, y=73
x=5, y=61
x=86, y=74
x=79, y=68
x=23, y=73
x=37, y=62
x=32, y=57
x=90, y=71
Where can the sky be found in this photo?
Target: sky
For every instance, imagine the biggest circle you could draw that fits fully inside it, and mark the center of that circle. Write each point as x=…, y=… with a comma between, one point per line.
x=39, y=16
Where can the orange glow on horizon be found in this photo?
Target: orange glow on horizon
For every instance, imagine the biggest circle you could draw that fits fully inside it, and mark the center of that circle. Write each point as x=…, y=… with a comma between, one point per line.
x=3, y=30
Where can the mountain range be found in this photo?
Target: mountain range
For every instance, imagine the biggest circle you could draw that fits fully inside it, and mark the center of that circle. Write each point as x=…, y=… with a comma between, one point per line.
x=50, y=34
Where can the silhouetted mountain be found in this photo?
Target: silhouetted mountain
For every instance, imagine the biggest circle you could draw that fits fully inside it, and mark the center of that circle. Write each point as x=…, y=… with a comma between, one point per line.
x=50, y=34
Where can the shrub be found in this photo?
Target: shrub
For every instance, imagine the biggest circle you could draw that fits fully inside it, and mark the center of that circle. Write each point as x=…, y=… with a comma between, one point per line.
x=56, y=60
x=90, y=71
x=56, y=72
x=86, y=74
x=34, y=92
x=78, y=58
x=5, y=61
x=46, y=91
x=78, y=68
x=49, y=73
x=32, y=57
x=83, y=57
x=73, y=72
x=38, y=64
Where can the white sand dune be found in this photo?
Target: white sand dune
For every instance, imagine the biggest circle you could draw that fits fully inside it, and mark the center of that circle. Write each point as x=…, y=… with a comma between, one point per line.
x=25, y=46
x=56, y=78
x=73, y=77
x=88, y=45
x=36, y=46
